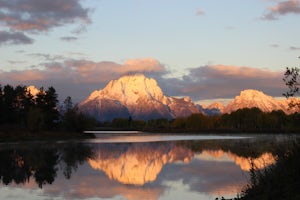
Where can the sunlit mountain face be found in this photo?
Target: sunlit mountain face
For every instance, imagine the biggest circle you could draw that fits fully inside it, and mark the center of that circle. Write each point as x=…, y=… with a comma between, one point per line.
x=136, y=96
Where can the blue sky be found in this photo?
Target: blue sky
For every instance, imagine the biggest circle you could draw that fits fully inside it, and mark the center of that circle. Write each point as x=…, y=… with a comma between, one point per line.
x=205, y=49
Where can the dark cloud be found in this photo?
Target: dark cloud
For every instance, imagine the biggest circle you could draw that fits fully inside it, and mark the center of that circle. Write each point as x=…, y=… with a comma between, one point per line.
x=37, y=15
x=14, y=38
x=69, y=38
x=282, y=8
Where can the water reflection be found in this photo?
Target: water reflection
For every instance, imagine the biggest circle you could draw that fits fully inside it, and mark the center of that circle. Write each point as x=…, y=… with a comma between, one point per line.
x=137, y=163
x=19, y=163
x=153, y=170
x=244, y=163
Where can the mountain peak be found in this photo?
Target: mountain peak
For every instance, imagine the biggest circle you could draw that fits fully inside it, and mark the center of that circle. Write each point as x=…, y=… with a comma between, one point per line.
x=139, y=96
x=250, y=93
x=33, y=90
x=253, y=98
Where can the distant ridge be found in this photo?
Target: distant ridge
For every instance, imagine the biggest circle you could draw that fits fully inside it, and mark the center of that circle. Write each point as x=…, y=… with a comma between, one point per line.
x=255, y=99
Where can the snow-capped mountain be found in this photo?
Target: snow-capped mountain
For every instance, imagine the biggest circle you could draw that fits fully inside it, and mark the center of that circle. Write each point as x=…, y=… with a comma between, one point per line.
x=255, y=98
x=33, y=90
x=136, y=96
x=215, y=108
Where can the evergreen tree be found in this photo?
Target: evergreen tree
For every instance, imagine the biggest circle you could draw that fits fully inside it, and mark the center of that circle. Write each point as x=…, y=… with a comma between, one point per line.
x=46, y=102
x=73, y=119
x=51, y=108
x=68, y=104
x=8, y=104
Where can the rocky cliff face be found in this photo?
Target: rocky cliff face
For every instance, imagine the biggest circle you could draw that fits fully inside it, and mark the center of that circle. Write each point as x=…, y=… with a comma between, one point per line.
x=136, y=96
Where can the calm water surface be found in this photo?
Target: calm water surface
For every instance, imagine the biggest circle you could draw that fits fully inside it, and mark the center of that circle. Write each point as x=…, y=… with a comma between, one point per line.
x=134, y=167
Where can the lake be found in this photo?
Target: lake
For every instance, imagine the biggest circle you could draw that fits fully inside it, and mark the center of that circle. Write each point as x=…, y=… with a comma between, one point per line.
x=134, y=166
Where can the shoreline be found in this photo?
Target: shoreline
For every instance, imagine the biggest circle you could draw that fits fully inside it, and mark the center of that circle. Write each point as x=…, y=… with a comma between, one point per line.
x=24, y=135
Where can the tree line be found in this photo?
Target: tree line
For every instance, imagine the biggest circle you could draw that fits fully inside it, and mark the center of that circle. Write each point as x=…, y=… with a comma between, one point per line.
x=20, y=109
x=242, y=120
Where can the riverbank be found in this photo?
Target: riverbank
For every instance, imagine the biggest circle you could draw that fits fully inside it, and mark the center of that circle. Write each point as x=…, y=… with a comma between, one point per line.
x=279, y=181
x=25, y=135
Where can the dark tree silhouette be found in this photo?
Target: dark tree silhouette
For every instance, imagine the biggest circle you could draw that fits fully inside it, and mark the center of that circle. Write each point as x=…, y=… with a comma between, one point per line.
x=291, y=79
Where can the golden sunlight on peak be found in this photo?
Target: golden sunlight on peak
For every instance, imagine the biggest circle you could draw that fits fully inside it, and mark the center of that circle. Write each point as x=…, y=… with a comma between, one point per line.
x=33, y=90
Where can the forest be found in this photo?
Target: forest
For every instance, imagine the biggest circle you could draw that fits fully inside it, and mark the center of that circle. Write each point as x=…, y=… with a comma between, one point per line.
x=20, y=110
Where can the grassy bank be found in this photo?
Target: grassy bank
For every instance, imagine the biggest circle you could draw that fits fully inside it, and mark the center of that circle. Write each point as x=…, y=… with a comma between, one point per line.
x=280, y=181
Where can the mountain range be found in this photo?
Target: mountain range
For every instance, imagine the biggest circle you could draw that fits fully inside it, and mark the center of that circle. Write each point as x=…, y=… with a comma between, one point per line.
x=140, y=97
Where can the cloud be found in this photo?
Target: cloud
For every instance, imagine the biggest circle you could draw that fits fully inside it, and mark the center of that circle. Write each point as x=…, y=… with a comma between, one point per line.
x=294, y=48
x=14, y=62
x=14, y=38
x=37, y=15
x=21, y=76
x=274, y=45
x=77, y=78
x=282, y=8
x=221, y=81
x=47, y=57
x=69, y=39
x=141, y=65
x=200, y=12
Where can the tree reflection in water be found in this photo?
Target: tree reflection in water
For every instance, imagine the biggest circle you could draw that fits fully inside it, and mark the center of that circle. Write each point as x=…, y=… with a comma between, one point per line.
x=41, y=162
x=151, y=166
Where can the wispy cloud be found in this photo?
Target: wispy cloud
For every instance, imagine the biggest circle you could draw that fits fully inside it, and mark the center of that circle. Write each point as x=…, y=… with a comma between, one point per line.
x=294, y=48
x=282, y=8
x=37, y=15
x=69, y=38
x=14, y=38
x=47, y=57
x=13, y=62
x=274, y=45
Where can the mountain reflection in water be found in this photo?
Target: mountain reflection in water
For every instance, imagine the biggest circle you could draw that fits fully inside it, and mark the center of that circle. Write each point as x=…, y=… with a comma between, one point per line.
x=152, y=170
